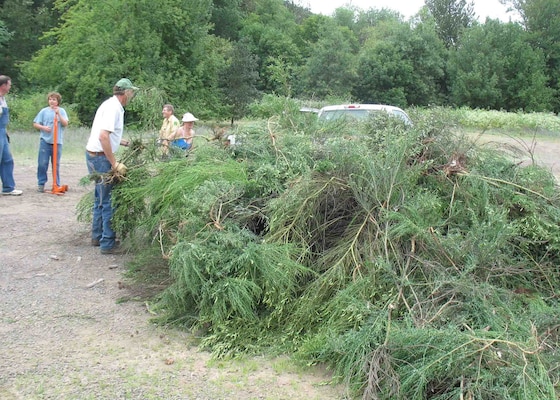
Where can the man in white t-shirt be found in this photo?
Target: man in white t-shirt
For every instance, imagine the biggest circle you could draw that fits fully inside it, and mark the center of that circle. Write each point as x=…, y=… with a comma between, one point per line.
x=104, y=141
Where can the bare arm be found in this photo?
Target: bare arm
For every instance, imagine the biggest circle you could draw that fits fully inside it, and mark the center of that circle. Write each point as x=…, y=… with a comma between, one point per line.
x=178, y=134
x=106, y=145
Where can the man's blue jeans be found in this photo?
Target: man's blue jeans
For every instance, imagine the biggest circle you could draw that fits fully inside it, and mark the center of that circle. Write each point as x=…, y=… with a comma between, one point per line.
x=102, y=206
x=6, y=159
x=46, y=155
x=6, y=165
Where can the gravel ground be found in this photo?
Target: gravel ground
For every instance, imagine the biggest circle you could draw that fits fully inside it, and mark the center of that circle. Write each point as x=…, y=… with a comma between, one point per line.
x=71, y=326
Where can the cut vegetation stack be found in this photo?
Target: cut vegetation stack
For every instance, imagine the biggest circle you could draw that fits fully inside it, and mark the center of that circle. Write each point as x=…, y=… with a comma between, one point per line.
x=414, y=263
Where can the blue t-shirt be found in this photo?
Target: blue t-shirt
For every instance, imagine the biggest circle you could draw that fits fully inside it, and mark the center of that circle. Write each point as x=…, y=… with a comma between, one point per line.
x=46, y=118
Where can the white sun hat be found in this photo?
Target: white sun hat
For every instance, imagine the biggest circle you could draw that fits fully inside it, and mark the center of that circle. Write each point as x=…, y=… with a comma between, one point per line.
x=188, y=117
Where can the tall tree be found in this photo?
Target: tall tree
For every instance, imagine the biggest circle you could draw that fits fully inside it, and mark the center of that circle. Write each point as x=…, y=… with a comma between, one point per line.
x=4, y=34
x=226, y=18
x=273, y=36
x=239, y=79
x=400, y=65
x=541, y=19
x=164, y=45
x=452, y=17
x=507, y=72
x=365, y=20
x=330, y=69
x=25, y=21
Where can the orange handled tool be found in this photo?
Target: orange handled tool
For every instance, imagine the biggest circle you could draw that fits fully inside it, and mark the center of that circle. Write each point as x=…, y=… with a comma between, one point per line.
x=55, y=188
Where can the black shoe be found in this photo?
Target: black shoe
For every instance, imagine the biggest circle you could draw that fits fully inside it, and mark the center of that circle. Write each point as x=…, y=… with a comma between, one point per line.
x=116, y=249
x=97, y=243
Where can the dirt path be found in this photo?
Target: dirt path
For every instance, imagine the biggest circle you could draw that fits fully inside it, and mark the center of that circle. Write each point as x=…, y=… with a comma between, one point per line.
x=544, y=151
x=66, y=334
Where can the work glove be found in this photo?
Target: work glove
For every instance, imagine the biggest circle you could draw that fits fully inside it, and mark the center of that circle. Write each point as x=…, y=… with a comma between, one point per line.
x=120, y=168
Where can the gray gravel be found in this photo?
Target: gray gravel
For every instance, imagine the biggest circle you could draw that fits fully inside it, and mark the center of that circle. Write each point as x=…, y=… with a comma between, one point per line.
x=65, y=332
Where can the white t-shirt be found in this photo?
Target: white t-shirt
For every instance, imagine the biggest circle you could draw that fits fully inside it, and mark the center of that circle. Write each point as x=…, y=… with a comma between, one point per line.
x=108, y=117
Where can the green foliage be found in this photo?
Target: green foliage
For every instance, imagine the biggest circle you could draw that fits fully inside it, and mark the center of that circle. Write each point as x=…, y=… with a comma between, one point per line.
x=328, y=73
x=228, y=276
x=179, y=52
x=121, y=38
x=452, y=17
x=145, y=109
x=379, y=57
x=504, y=56
x=540, y=17
x=239, y=80
x=513, y=121
x=153, y=202
x=4, y=35
x=271, y=105
x=23, y=22
x=394, y=63
x=226, y=18
x=24, y=108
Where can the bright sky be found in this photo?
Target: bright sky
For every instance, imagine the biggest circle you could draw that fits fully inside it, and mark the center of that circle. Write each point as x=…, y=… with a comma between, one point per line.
x=482, y=8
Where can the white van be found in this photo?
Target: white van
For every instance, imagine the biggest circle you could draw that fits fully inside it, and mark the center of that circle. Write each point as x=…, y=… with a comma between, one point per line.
x=360, y=112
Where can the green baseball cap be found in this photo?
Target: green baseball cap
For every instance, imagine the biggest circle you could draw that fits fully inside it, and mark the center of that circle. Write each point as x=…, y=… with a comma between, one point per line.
x=125, y=83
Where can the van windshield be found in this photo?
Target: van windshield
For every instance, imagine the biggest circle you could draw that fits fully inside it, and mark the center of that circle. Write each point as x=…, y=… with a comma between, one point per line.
x=333, y=115
x=361, y=114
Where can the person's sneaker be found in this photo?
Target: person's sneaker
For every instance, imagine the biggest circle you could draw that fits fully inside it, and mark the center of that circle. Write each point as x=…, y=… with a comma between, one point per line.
x=41, y=188
x=15, y=192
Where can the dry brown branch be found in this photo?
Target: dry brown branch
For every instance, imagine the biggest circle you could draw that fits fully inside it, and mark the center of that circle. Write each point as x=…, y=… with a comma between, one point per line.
x=165, y=255
x=273, y=140
x=380, y=374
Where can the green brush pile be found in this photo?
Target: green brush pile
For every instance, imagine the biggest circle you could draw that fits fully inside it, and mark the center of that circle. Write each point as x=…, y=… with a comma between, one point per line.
x=413, y=262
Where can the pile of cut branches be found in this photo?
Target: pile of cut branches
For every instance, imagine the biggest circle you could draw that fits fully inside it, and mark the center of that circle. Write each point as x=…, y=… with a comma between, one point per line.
x=415, y=263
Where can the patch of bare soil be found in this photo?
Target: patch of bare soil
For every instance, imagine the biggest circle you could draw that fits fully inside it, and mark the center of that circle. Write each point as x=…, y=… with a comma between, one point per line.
x=65, y=332
x=543, y=151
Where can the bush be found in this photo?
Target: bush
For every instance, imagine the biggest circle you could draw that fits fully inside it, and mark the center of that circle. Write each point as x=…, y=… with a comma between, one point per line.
x=24, y=108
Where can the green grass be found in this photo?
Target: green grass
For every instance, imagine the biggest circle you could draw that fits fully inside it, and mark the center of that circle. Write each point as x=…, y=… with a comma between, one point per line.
x=541, y=123
x=25, y=145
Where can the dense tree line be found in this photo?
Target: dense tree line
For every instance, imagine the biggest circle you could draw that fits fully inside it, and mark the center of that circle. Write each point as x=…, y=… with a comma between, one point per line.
x=216, y=56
